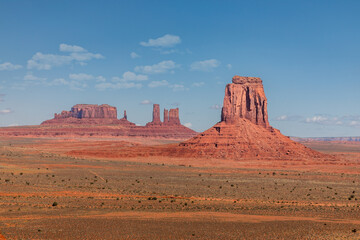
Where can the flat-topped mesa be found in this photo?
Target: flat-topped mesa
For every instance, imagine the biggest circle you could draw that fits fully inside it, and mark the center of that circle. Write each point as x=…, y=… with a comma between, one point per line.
x=89, y=111
x=245, y=98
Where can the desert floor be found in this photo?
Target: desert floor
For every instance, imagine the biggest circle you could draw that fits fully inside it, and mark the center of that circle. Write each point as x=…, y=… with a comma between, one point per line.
x=59, y=189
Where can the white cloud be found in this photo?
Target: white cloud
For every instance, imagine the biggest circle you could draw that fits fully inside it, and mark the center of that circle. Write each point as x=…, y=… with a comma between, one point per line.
x=170, y=51
x=7, y=66
x=81, y=57
x=229, y=66
x=146, y=102
x=30, y=77
x=5, y=111
x=155, y=84
x=128, y=80
x=215, y=106
x=189, y=125
x=354, y=123
x=81, y=76
x=205, y=66
x=160, y=67
x=134, y=55
x=42, y=61
x=73, y=84
x=177, y=87
x=13, y=125
x=77, y=55
x=119, y=85
x=70, y=48
x=77, y=81
x=100, y=79
x=316, y=119
x=60, y=81
x=282, y=118
x=198, y=84
x=167, y=40
x=130, y=76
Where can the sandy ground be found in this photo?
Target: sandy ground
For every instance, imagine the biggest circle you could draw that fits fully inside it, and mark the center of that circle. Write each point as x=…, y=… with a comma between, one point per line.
x=47, y=192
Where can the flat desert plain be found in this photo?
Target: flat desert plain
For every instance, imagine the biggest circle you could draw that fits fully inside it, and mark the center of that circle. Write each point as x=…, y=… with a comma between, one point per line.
x=78, y=189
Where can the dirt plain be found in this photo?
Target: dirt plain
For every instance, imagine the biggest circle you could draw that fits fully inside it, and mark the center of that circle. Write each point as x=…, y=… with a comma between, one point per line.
x=78, y=188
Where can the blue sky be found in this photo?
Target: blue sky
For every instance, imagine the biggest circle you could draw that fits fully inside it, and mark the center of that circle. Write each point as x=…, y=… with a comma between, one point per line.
x=129, y=54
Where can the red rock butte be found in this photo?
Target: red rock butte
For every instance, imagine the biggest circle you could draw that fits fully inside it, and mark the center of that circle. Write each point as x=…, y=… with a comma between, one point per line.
x=89, y=114
x=244, y=130
x=243, y=133
x=245, y=98
x=91, y=120
x=171, y=118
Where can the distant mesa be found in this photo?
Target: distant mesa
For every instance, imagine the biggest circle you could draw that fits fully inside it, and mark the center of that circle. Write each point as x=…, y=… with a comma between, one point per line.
x=91, y=120
x=89, y=111
x=89, y=114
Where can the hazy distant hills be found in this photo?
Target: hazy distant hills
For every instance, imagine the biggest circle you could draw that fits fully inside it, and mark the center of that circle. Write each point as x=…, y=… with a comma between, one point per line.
x=342, y=139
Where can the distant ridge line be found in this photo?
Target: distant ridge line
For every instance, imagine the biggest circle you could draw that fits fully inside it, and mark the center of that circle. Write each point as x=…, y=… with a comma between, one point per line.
x=326, y=139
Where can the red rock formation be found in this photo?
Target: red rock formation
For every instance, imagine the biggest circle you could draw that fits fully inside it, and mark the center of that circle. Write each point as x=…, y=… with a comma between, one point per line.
x=171, y=118
x=166, y=116
x=174, y=117
x=244, y=131
x=93, y=120
x=89, y=114
x=89, y=111
x=156, y=114
x=245, y=98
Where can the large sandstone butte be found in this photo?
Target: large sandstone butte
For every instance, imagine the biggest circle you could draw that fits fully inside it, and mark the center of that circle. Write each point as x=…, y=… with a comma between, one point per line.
x=245, y=98
x=244, y=130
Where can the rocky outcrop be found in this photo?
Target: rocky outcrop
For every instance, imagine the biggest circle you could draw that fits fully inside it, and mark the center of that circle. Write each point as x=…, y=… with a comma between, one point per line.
x=166, y=116
x=89, y=114
x=89, y=111
x=245, y=98
x=174, y=117
x=171, y=118
x=156, y=114
x=244, y=131
x=101, y=121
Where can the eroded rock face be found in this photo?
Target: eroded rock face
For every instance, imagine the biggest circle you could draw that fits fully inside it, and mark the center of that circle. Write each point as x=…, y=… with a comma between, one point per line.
x=89, y=114
x=171, y=117
x=97, y=121
x=89, y=111
x=244, y=131
x=166, y=116
x=156, y=114
x=245, y=98
x=174, y=117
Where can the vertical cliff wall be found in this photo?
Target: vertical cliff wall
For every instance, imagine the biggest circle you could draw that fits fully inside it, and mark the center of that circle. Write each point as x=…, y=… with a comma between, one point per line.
x=245, y=98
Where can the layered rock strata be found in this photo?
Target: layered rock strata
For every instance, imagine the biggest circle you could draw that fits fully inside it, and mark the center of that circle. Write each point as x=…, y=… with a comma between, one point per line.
x=244, y=131
x=88, y=120
x=171, y=117
x=245, y=98
x=89, y=114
